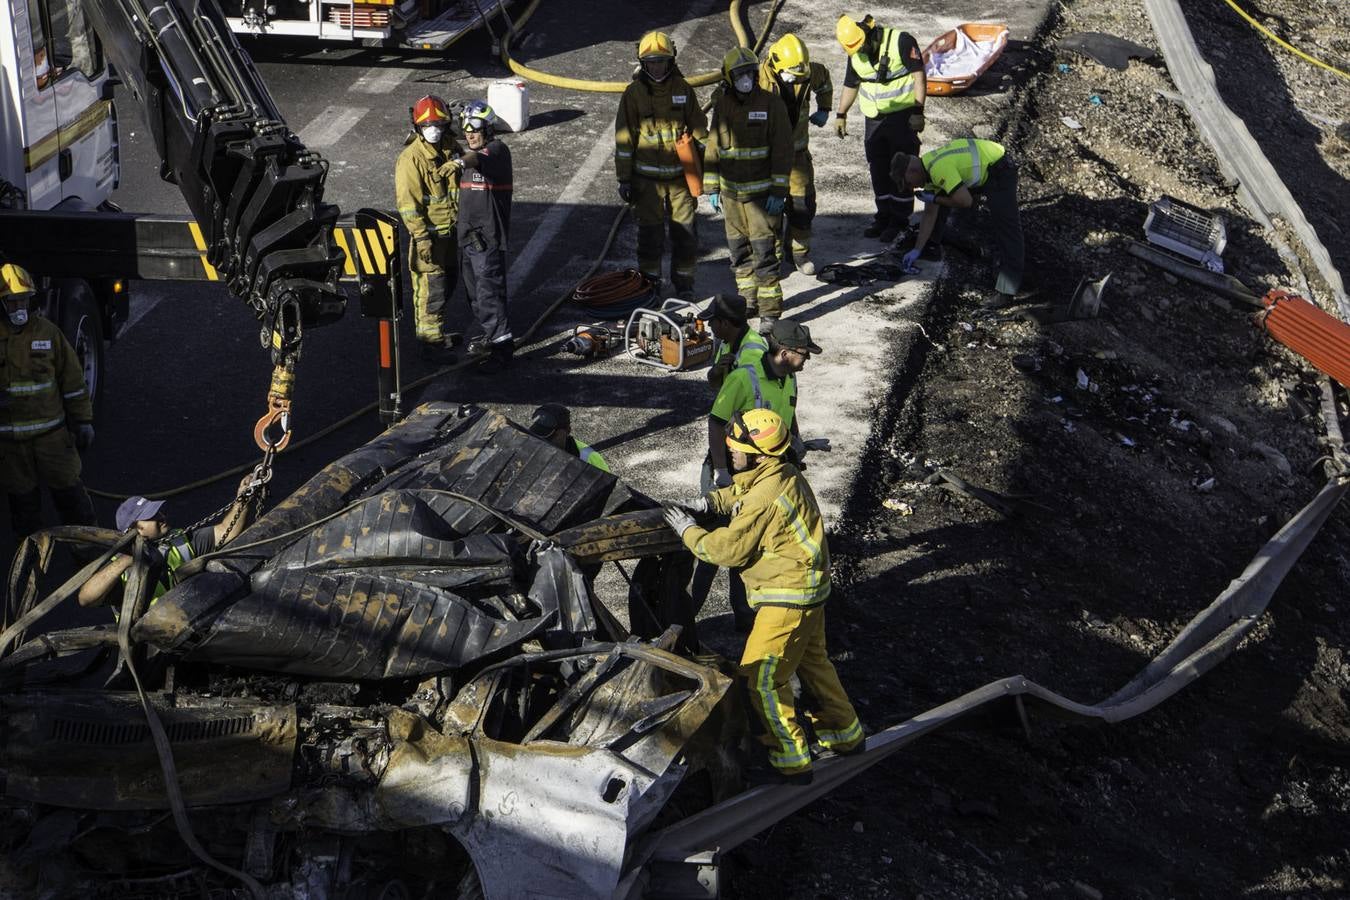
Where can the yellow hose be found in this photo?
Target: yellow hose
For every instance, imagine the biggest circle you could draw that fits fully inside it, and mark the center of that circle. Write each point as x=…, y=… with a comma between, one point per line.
x=1285, y=44
x=617, y=87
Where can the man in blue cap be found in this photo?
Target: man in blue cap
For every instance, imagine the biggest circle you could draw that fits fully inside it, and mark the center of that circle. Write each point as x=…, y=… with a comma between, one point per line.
x=175, y=546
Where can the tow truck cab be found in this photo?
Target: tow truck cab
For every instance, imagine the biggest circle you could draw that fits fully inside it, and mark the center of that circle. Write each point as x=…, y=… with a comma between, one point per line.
x=59, y=150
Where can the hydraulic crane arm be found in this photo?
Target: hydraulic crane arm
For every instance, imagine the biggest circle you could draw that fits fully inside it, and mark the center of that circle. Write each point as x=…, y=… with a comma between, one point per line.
x=254, y=189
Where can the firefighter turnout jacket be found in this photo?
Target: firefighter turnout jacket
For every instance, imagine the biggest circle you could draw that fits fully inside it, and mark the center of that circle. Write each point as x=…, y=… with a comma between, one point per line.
x=43, y=381
x=426, y=189
x=651, y=116
x=749, y=149
x=797, y=96
x=776, y=536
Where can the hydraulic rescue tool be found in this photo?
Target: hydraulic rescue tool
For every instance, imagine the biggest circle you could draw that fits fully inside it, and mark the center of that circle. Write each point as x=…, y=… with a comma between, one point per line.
x=671, y=338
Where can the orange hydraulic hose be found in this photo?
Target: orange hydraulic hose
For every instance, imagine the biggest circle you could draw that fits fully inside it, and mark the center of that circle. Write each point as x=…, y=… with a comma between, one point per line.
x=1317, y=336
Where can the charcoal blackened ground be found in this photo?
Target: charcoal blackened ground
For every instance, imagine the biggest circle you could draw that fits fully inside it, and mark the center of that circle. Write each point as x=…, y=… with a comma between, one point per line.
x=1159, y=445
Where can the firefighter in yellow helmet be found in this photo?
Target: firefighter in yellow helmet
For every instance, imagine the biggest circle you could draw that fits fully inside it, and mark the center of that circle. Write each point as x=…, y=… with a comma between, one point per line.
x=426, y=189
x=46, y=416
x=776, y=533
x=746, y=164
x=654, y=112
x=885, y=74
x=789, y=73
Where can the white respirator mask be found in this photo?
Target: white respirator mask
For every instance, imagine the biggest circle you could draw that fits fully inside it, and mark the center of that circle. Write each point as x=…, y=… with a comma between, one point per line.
x=744, y=83
x=18, y=318
x=787, y=77
x=432, y=134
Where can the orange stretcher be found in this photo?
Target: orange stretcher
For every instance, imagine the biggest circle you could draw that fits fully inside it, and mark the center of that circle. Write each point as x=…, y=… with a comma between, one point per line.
x=990, y=37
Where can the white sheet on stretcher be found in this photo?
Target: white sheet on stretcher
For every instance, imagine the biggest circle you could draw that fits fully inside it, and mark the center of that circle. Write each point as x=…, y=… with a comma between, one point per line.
x=962, y=60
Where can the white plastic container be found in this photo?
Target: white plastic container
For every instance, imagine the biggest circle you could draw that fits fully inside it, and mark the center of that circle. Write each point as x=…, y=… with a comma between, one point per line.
x=510, y=100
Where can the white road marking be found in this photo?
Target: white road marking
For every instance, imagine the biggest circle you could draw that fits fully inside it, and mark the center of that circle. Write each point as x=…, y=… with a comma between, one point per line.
x=380, y=81
x=329, y=126
x=601, y=153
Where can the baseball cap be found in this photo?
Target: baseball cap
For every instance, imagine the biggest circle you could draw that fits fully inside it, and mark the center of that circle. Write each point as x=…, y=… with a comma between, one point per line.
x=136, y=509
x=792, y=335
x=723, y=306
x=549, y=418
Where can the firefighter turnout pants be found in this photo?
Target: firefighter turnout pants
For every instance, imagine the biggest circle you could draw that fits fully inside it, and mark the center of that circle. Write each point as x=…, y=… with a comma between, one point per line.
x=49, y=459
x=884, y=137
x=751, y=235
x=787, y=640
x=801, y=210
x=660, y=204
x=432, y=285
x=998, y=196
x=484, y=275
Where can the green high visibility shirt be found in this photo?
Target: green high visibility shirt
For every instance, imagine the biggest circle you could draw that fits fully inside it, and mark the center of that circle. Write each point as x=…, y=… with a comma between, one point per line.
x=178, y=548
x=964, y=162
x=587, y=454
x=751, y=387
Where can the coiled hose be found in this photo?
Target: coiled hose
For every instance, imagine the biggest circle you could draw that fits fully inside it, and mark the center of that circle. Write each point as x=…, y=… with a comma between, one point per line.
x=614, y=292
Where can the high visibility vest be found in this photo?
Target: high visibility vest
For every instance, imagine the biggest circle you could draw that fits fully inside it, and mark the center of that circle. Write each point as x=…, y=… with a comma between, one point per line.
x=875, y=96
x=177, y=550
x=591, y=456
x=770, y=393
x=964, y=162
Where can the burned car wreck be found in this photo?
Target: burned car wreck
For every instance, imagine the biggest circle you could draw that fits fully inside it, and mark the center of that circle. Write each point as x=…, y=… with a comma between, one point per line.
x=399, y=682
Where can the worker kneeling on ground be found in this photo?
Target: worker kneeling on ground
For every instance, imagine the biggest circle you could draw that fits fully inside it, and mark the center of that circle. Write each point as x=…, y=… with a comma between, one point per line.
x=656, y=111
x=950, y=178
x=426, y=188
x=553, y=423
x=777, y=537
x=170, y=548
x=789, y=73
x=484, y=231
x=44, y=400
x=745, y=175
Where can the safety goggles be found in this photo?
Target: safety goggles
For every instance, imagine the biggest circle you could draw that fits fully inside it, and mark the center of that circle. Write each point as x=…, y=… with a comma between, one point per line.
x=474, y=125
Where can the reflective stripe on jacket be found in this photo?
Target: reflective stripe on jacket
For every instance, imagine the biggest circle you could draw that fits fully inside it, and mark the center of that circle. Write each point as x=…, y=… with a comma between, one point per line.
x=426, y=189
x=43, y=380
x=749, y=149
x=776, y=535
x=797, y=98
x=964, y=162
x=896, y=93
x=651, y=116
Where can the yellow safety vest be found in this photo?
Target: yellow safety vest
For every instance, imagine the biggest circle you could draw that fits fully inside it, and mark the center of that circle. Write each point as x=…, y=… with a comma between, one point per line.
x=875, y=96
x=964, y=162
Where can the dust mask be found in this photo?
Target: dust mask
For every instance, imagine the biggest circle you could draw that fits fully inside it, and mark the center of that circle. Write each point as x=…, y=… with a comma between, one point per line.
x=744, y=83
x=787, y=77
x=432, y=134
x=18, y=318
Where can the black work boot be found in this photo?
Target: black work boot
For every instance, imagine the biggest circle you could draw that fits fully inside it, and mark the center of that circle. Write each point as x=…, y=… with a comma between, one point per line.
x=879, y=224
x=761, y=773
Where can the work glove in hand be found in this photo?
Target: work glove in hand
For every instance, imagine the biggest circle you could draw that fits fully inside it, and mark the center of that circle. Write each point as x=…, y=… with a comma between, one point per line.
x=699, y=506
x=841, y=126
x=84, y=436
x=820, y=117
x=678, y=520
x=819, y=445
x=424, y=253
x=774, y=205
x=625, y=192
x=798, y=446
x=910, y=259
x=722, y=478
x=916, y=121
x=450, y=169
x=928, y=197
x=715, y=201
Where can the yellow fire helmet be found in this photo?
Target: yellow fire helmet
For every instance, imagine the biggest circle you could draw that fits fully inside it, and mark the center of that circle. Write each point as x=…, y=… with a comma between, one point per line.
x=15, y=281
x=655, y=45
x=849, y=34
x=788, y=55
x=758, y=432
x=739, y=58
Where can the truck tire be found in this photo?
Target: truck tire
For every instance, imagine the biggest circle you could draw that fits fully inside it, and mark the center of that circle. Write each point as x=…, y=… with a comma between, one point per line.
x=81, y=322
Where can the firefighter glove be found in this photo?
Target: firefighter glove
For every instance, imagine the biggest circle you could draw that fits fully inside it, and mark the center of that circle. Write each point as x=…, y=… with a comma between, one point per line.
x=678, y=520
x=818, y=445
x=715, y=201
x=699, y=506
x=820, y=117
x=424, y=253
x=916, y=121
x=774, y=205
x=84, y=436
x=841, y=125
x=625, y=192
x=722, y=478
x=450, y=169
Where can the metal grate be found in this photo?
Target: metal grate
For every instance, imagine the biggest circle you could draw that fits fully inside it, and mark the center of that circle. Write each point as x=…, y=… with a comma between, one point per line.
x=78, y=731
x=1186, y=230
